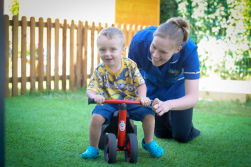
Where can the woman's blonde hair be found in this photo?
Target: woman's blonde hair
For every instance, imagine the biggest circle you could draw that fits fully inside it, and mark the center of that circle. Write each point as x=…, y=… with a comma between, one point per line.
x=113, y=32
x=177, y=29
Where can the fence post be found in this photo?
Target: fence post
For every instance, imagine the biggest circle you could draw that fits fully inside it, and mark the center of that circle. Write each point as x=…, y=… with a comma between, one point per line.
x=56, y=76
x=134, y=29
x=41, y=55
x=64, y=35
x=129, y=37
x=23, y=55
x=124, y=30
x=72, y=73
x=92, y=47
x=48, y=66
x=32, y=54
x=85, y=42
x=14, y=55
x=6, y=21
x=79, y=53
x=98, y=57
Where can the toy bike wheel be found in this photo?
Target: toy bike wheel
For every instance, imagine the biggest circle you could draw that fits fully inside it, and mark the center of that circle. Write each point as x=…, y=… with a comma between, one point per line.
x=131, y=143
x=135, y=130
x=101, y=143
x=110, y=149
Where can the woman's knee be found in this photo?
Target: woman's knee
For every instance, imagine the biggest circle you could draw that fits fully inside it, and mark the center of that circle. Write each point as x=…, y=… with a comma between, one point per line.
x=186, y=136
x=181, y=136
x=163, y=134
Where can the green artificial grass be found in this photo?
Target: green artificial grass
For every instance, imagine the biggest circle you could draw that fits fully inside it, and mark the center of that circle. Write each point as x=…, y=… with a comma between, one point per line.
x=52, y=129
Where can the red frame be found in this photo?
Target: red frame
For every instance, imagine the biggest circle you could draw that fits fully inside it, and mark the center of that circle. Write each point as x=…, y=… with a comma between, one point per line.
x=122, y=117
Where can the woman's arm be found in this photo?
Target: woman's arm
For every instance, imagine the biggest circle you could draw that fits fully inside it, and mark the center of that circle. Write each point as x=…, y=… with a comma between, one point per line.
x=145, y=101
x=188, y=101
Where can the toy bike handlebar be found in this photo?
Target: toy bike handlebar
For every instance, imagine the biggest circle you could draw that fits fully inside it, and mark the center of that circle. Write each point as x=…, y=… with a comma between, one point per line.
x=91, y=101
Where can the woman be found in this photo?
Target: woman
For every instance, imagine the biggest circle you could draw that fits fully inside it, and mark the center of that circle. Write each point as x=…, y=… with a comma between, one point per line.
x=168, y=61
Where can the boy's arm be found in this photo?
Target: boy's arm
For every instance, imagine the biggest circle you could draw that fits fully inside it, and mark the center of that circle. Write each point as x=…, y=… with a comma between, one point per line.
x=93, y=88
x=97, y=98
x=142, y=90
x=145, y=101
x=90, y=93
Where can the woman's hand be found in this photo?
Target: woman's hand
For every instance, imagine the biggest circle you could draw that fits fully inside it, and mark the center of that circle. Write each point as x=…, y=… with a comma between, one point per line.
x=145, y=101
x=160, y=107
x=99, y=99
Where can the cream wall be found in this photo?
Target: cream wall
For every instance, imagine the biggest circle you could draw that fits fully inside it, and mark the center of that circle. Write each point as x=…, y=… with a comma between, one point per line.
x=85, y=10
x=6, y=8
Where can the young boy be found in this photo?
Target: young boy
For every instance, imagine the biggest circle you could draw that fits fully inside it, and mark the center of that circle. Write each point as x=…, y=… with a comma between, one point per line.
x=118, y=78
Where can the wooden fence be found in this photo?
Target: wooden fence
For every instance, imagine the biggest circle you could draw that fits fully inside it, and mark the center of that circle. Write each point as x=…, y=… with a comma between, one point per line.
x=77, y=40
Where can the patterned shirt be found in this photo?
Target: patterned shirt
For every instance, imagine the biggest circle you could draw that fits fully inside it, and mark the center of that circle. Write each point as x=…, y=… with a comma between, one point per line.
x=117, y=86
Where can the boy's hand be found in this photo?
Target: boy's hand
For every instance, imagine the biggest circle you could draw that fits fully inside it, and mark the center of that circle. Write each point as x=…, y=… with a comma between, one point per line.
x=99, y=99
x=145, y=101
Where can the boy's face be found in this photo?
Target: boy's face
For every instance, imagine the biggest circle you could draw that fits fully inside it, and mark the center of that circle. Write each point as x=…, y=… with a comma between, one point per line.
x=110, y=51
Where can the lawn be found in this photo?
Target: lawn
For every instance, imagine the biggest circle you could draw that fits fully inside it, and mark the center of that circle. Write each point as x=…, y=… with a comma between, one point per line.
x=51, y=129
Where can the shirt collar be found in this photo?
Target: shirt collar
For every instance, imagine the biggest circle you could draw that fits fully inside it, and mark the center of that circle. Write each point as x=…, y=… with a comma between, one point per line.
x=175, y=58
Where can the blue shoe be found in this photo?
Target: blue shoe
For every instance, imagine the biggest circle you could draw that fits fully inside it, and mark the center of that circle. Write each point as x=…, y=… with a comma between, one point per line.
x=90, y=152
x=153, y=148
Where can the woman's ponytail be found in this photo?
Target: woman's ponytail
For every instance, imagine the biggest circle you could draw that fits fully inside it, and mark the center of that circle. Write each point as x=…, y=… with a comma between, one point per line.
x=176, y=29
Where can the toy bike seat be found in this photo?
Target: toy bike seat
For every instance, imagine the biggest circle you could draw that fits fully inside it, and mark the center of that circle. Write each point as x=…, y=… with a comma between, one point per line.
x=112, y=127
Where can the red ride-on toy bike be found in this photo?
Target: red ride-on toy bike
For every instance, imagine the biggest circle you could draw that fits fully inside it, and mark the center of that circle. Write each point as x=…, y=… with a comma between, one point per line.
x=121, y=128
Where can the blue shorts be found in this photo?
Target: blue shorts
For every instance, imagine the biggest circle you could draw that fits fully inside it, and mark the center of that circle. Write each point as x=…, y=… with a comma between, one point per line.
x=136, y=112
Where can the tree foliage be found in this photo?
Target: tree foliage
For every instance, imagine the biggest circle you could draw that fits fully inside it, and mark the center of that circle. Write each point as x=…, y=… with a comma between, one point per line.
x=221, y=29
x=14, y=7
x=168, y=9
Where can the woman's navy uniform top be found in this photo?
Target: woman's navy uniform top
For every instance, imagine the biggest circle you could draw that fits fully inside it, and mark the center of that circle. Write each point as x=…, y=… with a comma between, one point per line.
x=168, y=82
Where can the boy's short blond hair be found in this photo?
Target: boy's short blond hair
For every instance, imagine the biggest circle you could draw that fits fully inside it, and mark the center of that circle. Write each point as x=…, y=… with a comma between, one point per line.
x=113, y=32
